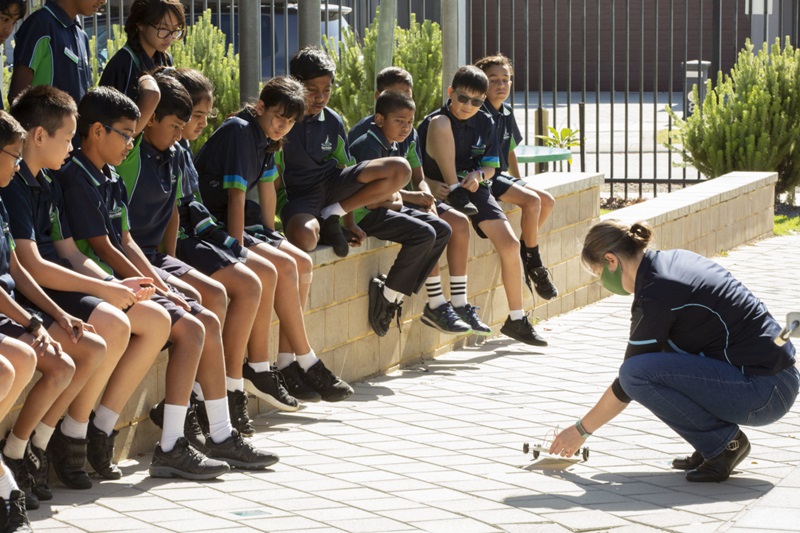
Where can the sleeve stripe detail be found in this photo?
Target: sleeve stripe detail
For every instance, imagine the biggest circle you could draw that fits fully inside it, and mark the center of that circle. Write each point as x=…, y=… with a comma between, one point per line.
x=270, y=174
x=491, y=162
x=642, y=343
x=234, y=182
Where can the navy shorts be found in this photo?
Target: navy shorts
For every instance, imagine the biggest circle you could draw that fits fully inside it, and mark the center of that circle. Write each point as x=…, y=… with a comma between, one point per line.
x=9, y=328
x=207, y=257
x=488, y=208
x=75, y=303
x=167, y=266
x=501, y=183
x=333, y=188
x=175, y=311
x=441, y=207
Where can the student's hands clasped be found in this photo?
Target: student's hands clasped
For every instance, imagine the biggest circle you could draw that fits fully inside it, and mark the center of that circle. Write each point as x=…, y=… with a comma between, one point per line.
x=358, y=236
x=74, y=327
x=177, y=299
x=42, y=339
x=567, y=442
x=142, y=288
x=439, y=189
x=472, y=181
x=422, y=198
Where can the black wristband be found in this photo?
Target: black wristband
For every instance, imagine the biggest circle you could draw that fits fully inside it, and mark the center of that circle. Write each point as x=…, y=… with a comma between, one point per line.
x=34, y=324
x=582, y=430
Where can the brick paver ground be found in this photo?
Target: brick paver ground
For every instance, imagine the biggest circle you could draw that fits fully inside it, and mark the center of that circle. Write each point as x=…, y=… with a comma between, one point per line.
x=437, y=447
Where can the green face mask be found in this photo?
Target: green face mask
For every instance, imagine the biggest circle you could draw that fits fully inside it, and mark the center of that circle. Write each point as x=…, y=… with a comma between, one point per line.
x=612, y=281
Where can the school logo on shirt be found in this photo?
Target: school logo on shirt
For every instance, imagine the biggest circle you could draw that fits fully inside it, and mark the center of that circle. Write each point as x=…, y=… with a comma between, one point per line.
x=479, y=147
x=115, y=212
x=327, y=146
x=52, y=214
x=506, y=135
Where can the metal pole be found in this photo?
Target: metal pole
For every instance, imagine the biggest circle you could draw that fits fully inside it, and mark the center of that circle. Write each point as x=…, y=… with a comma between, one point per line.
x=308, y=23
x=386, y=23
x=450, y=31
x=249, y=50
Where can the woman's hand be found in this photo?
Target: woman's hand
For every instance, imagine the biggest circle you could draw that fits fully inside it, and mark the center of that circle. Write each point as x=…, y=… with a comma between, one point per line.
x=567, y=443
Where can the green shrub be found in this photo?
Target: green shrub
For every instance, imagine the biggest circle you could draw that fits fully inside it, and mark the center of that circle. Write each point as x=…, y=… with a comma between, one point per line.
x=417, y=49
x=750, y=120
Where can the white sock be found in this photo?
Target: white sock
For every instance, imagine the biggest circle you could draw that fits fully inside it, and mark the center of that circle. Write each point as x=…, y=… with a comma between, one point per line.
x=433, y=286
x=43, y=432
x=174, y=419
x=15, y=447
x=284, y=359
x=391, y=294
x=308, y=360
x=7, y=484
x=198, y=391
x=219, y=420
x=516, y=315
x=455, y=186
x=69, y=427
x=333, y=209
x=105, y=419
x=233, y=384
x=458, y=290
x=261, y=366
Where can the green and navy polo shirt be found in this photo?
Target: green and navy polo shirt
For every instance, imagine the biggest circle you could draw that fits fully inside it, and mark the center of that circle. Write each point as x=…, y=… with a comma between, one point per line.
x=508, y=134
x=125, y=68
x=409, y=148
x=6, y=247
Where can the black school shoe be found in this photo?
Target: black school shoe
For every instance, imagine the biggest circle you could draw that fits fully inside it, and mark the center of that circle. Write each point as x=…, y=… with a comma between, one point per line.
x=19, y=469
x=39, y=468
x=68, y=456
x=100, y=451
x=240, y=453
x=293, y=376
x=458, y=199
x=329, y=386
x=330, y=233
x=690, y=462
x=185, y=461
x=13, y=517
x=469, y=314
x=240, y=416
x=522, y=330
x=270, y=387
x=381, y=310
x=719, y=467
x=539, y=276
x=191, y=426
x=444, y=319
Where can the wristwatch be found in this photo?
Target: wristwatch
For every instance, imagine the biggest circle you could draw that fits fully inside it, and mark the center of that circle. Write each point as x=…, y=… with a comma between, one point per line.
x=582, y=430
x=34, y=324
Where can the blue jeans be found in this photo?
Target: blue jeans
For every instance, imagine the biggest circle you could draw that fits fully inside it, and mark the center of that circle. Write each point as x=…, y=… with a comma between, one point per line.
x=704, y=400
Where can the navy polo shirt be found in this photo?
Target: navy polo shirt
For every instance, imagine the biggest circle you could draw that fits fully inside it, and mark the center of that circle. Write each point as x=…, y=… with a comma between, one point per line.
x=359, y=129
x=151, y=182
x=235, y=157
x=36, y=210
x=56, y=48
x=189, y=182
x=6, y=247
x=409, y=148
x=374, y=145
x=96, y=203
x=314, y=148
x=475, y=140
x=125, y=68
x=508, y=134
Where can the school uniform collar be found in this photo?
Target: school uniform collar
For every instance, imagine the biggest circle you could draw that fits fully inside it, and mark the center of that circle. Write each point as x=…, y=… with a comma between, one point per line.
x=494, y=113
x=151, y=152
x=60, y=15
x=319, y=117
x=261, y=139
x=24, y=173
x=645, y=270
x=97, y=177
x=376, y=132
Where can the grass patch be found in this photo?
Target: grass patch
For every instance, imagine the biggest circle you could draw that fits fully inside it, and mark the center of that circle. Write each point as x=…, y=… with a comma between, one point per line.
x=604, y=211
x=786, y=225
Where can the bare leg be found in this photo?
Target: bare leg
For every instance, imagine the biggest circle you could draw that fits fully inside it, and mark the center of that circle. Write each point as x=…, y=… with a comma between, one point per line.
x=19, y=362
x=211, y=367
x=302, y=231
x=531, y=206
x=458, y=247
x=382, y=178
x=507, y=245
x=258, y=340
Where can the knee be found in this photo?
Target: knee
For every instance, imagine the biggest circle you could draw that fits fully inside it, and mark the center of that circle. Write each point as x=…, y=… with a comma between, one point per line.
x=210, y=323
x=7, y=376
x=287, y=269
x=304, y=237
x=400, y=172
x=632, y=375
x=305, y=265
x=548, y=202
x=459, y=226
x=157, y=321
x=443, y=231
x=508, y=245
x=95, y=349
x=215, y=299
x=189, y=333
x=531, y=201
x=59, y=374
x=111, y=323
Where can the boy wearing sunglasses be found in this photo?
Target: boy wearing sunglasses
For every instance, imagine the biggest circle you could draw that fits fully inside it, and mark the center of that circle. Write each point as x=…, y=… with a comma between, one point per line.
x=460, y=148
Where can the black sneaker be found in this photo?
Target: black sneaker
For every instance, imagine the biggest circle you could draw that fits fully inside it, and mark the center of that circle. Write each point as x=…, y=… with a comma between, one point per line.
x=19, y=470
x=68, y=456
x=522, y=331
x=458, y=199
x=200, y=415
x=381, y=310
x=39, y=469
x=330, y=233
x=240, y=416
x=186, y=462
x=269, y=387
x=239, y=453
x=296, y=384
x=100, y=451
x=191, y=426
x=543, y=282
x=326, y=383
x=445, y=319
x=469, y=314
x=13, y=517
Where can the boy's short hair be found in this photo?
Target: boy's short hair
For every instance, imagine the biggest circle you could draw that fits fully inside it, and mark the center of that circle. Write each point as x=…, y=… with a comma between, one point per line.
x=393, y=76
x=105, y=105
x=195, y=82
x=10, y=130
x=43, y=105
x=21, y=4
x=471, y=78
x=498, y=60
x=312, y=62
x=392, y=101
x=150, y=13
x=175, y=99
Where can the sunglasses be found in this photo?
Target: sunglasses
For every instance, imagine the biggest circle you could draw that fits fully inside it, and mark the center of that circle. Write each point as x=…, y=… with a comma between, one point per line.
x=17, y=158
x=465, y=99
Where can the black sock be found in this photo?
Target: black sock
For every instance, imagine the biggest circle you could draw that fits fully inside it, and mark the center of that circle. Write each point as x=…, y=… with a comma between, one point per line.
x=533, y=259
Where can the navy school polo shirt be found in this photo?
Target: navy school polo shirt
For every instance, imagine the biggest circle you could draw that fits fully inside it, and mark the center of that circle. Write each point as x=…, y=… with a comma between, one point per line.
x=96, y=203
x=6, y=247
x=508, y=134
x=374, y=145
x=315, y=147
x=36, y=209
x=125, y=68
x=408, y=149
x=235, y=157
x=475, y=140
x=56, y=48
x=151, y=182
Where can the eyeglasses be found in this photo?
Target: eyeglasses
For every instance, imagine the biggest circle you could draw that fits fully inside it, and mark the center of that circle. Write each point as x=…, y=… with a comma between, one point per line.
x=128, y=138
x=464, y=99
x=163, y=33
x=17, y=157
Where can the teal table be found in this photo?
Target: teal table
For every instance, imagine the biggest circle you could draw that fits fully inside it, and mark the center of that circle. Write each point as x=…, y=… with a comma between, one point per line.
x=541, y=154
